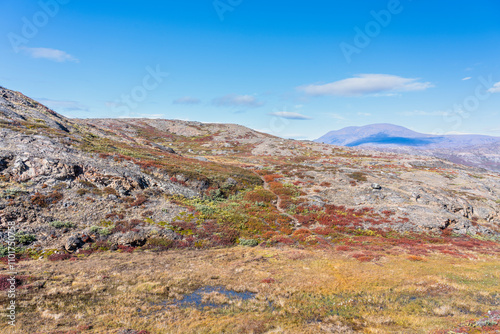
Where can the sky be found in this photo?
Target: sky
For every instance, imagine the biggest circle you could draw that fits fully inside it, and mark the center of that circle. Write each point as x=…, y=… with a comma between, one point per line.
x=294, y=69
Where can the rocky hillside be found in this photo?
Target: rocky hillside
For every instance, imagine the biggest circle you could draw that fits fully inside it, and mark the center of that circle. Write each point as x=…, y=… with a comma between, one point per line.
x=138, y=226
x=74, y=184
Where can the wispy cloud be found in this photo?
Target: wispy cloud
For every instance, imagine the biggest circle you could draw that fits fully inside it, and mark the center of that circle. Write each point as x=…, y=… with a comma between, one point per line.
x=335, y=116
x=466, y=78
x=494, y=130
x=366, y=84
x=187, y=100
x=290, y=115
x=140, y=115
x=50, y=54
x=233, y=100
x=422, y=113
x=495, y=88
x=64, y=106
x=364, y=114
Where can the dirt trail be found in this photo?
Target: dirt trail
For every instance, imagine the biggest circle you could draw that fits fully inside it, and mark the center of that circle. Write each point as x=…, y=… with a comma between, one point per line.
x=278, y=203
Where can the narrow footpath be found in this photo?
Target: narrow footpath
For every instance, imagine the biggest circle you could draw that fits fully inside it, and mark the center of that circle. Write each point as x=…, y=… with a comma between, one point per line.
x=278, y=202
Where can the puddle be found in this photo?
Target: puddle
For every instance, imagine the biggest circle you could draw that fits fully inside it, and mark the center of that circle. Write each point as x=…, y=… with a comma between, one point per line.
x=212, y=296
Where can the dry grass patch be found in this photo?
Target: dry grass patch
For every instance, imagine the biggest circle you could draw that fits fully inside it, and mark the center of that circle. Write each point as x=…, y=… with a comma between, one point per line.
x=296, y=291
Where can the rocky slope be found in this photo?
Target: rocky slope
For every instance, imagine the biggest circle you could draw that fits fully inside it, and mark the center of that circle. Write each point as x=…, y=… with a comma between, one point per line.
x=70, y=185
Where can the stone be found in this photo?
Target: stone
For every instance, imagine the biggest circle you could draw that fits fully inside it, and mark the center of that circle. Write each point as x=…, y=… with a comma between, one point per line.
x=86, y=238
x=131, y=239
x=165, y=149
x=376, y=186
x=231, y=182
x=168, y=234
x=128, y=331
x=73, y=243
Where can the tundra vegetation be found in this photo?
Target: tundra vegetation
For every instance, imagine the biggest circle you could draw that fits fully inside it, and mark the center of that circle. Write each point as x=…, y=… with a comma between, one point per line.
x=159, y=226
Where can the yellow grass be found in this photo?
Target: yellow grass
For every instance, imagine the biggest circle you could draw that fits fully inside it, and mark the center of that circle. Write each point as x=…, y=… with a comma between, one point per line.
x=297, y=291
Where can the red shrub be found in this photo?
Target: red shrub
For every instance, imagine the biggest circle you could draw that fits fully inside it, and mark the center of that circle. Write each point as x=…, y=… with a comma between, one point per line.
x=139, y=200
x=59, y=257
x=5, y=282
x=46, y=200
x=281, y=239
x=365, y=257
x=268, y=280
x=126, y=249
x=271, y=177
x=260, y=195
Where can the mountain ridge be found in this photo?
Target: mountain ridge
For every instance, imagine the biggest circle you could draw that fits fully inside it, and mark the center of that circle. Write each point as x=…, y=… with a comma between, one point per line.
x=473, y=150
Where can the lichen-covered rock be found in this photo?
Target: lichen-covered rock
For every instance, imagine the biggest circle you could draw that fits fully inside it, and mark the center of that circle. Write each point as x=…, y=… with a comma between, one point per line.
x=73, y=243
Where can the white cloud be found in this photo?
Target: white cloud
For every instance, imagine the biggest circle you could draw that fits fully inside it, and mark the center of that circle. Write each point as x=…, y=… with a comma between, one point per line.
x=50, y=54
x=364, y=114
x=335, y=116
x=466, y=78
x=367, y=84
x=237, y=101
x=140, y=115
x=422, y=113
x=495, y=88
x=289, y=115
x=187, y=100
x=64, y=106
x=494, y=130
x=111, y=104
x=459, y=133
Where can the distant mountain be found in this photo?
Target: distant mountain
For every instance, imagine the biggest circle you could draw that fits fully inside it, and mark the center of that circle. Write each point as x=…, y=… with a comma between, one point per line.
x=473, y=150
x=395, y=135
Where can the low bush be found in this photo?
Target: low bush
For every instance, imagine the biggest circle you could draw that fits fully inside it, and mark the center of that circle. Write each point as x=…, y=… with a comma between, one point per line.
x=248, y=242
x=46, y=200
x=101, y=230
x=59, y=257
x=60, y=224
x=259, y=195
x=87, y=184
x=139, y=200
x=110, y=191
x=358, y=176
x=159, y=244
x=25, y=238
x=82, y=192
x=6, y=282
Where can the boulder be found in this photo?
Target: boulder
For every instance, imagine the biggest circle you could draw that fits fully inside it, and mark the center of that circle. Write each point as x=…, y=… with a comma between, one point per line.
x=131, y=238
x=164, y=149
x=231, y=182
x=73, y=243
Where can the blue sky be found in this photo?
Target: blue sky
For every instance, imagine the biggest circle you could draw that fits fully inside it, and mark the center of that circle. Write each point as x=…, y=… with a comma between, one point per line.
x=293, y=69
